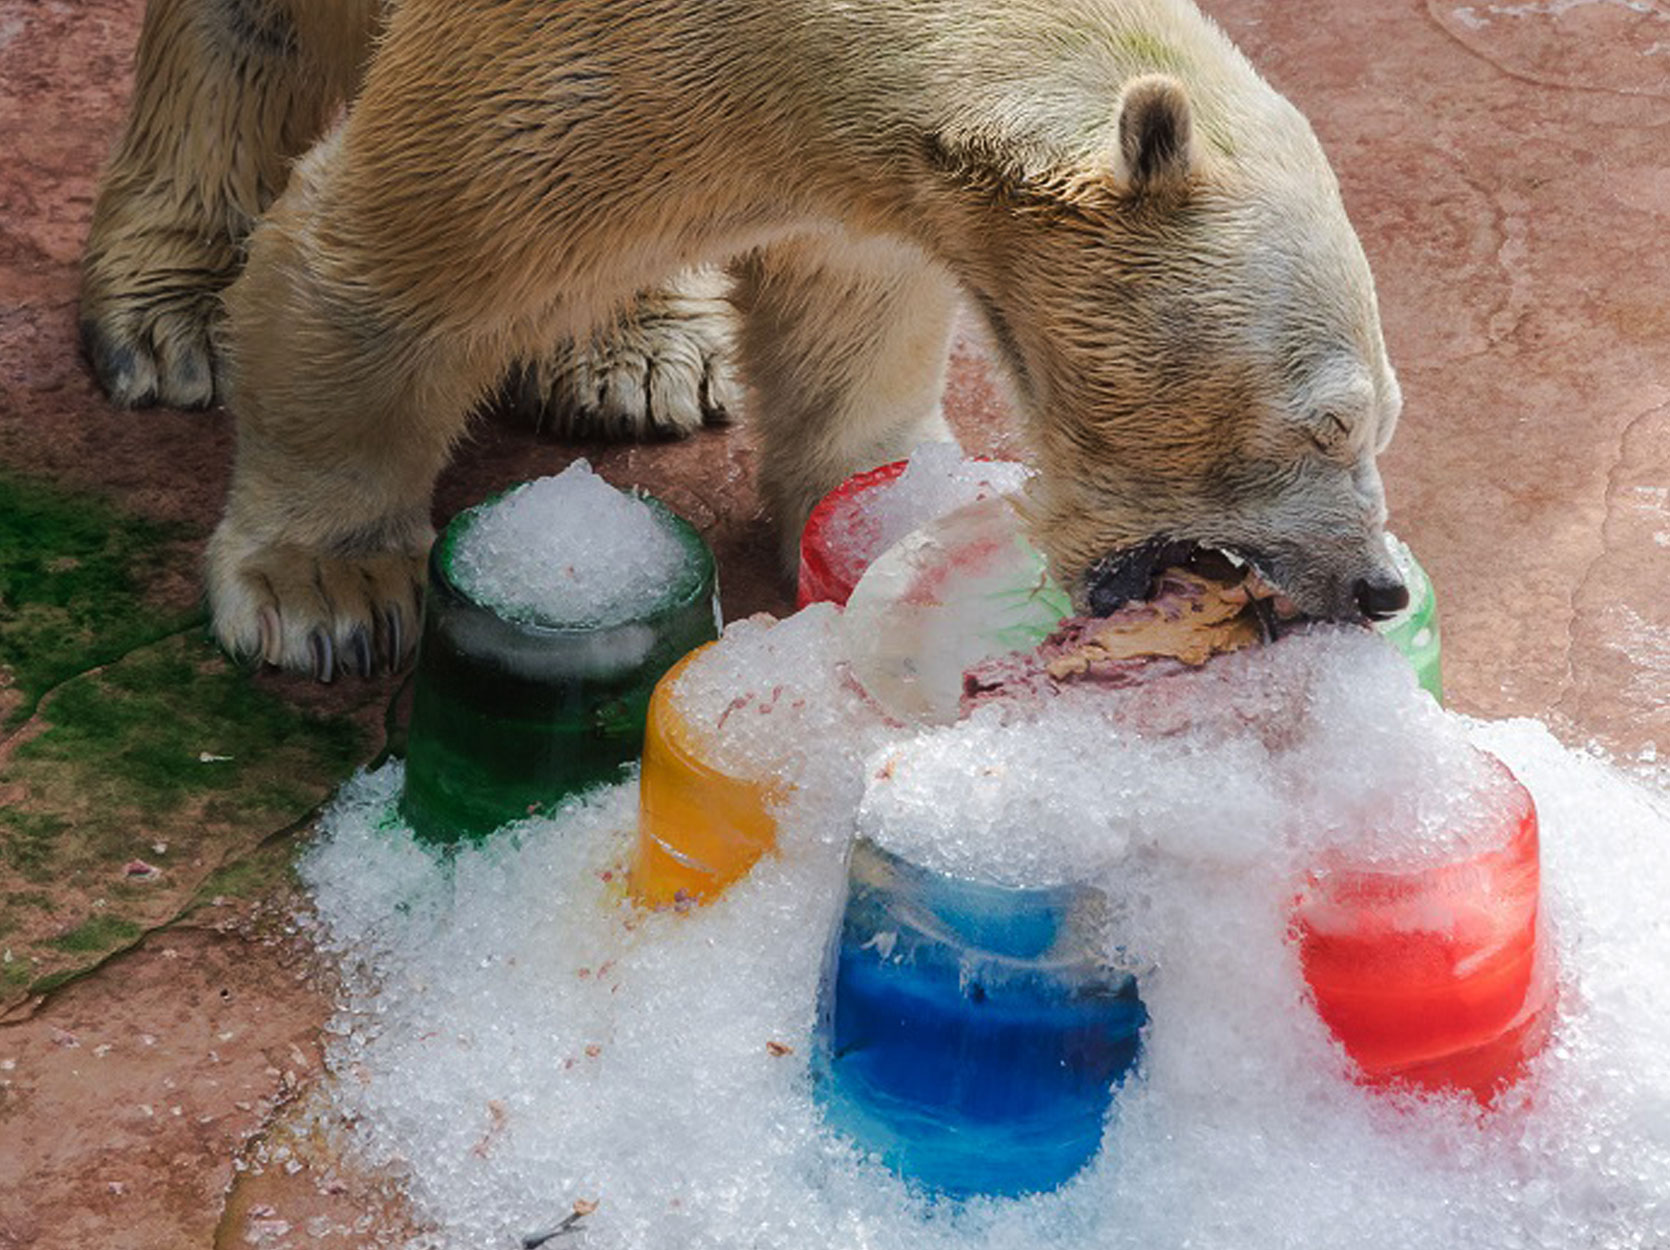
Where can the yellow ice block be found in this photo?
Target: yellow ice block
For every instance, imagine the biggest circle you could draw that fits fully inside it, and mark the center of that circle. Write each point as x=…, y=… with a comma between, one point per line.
x=699, y=829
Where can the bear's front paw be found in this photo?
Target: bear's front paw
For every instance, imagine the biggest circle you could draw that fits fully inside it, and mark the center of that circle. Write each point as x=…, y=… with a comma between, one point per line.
x=663, y=370
x=305, y=610
x=150, y=294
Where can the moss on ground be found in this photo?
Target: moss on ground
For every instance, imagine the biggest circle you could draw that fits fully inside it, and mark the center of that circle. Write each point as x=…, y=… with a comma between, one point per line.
x=154, y=773
x=265, y=872
x=151, y=781
x=153, y=767
x=96, y=935
x=74, y=572
x=15, y=979
x=175, y=723
x=28, y=843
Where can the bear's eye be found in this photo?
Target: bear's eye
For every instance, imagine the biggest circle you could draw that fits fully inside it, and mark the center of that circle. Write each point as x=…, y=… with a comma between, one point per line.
x=1331, y=433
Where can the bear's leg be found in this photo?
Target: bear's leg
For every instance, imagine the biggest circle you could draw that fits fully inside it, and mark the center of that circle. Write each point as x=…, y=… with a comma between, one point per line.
x=662, y=369
x=348, y=402
x=845, y=342
x=227, y=93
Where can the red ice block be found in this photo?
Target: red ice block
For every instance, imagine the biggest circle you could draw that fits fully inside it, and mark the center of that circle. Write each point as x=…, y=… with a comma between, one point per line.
x=1439, y=977
x=831, y=563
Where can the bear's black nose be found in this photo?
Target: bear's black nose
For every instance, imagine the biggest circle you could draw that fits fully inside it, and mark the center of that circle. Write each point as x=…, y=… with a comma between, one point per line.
x=1378, y=600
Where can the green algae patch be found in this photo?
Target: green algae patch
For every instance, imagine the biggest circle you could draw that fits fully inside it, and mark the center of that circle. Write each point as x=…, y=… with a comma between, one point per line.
x=78, y=587
x=265, y=872
x=149, y=786
x=30, y=842
x=175, y=724
x=96, y=935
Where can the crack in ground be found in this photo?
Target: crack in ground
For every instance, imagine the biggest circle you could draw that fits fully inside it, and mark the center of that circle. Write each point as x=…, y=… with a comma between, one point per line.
x=1568, y=682
x=32, y=726
x=1430, y=8
x=34, y=1004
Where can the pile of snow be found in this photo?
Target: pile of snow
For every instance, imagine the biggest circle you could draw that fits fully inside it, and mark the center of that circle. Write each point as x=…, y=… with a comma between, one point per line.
x=772, y=700
x=515, y=1037
x=568, y=551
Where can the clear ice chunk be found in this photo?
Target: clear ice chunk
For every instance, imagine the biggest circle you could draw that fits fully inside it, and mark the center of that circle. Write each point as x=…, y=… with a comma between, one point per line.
x=964, y=587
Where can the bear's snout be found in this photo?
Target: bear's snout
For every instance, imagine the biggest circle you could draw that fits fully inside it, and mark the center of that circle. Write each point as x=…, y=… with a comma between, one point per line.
x=1381, y=596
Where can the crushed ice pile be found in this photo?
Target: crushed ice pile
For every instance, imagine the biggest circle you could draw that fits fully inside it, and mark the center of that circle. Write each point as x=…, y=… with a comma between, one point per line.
x=938, y=479
x=566, y=550
x=810, y=715
x=516, y=1038
x=1230, y=763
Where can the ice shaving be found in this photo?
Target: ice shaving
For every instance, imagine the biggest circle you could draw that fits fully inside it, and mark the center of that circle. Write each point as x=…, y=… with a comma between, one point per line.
x=672, y=1087
x=809, y=711
x=515, y=1036
x=566, y=551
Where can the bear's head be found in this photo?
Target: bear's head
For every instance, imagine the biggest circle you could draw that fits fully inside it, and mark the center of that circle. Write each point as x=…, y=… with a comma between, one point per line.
x=1192, y=325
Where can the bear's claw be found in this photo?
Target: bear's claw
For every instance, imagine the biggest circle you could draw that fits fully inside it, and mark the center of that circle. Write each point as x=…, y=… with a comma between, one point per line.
x=359, y=647
x=272, y=635
x=324, y=656
x=291, y=607
x=393, y=634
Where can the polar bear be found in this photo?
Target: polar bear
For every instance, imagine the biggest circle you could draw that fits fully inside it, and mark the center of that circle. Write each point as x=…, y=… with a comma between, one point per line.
x=1150, y=232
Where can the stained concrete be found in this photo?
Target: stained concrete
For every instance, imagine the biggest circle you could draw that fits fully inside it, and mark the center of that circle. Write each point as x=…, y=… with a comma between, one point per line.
x=1505, y=165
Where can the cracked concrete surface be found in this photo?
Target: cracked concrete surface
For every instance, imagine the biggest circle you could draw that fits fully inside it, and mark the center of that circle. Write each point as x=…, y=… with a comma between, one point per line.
x=1614, y=46
x=1506, y=166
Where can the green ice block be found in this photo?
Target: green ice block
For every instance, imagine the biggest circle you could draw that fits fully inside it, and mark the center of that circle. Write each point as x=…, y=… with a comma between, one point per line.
x=511, y=717
x=1414, y=631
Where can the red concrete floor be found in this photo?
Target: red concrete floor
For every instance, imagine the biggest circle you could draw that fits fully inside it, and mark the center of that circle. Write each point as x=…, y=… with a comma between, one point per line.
x=1506, y=167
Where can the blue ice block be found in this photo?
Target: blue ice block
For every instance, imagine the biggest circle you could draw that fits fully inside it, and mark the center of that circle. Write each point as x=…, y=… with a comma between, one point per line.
x=971, y=1035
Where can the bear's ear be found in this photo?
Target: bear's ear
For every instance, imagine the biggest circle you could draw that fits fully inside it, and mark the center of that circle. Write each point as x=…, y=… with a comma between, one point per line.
x=1156, y=137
